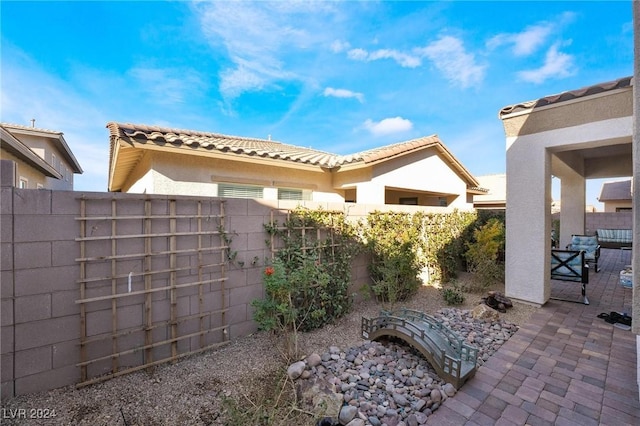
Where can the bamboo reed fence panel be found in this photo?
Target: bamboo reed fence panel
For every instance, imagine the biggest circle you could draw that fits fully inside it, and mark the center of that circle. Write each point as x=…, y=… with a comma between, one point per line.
x=319, y=238
x=178, y=262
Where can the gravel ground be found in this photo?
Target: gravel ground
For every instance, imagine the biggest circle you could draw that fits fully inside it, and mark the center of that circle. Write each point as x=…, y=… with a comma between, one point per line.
x=193, y=390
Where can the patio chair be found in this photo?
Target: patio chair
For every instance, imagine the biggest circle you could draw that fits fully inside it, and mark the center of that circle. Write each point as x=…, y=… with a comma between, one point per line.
x=570, y=265
x=590, y=245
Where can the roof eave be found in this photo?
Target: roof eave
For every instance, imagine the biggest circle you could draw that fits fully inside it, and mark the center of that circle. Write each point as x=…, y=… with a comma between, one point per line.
x=57, y=136
x=26, y=154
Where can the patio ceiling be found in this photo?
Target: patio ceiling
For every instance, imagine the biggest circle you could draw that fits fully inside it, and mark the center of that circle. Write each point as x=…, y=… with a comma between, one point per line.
x=604, y=161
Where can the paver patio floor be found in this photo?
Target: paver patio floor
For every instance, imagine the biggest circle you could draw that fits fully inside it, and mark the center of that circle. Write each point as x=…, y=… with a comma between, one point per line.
x=565, y=366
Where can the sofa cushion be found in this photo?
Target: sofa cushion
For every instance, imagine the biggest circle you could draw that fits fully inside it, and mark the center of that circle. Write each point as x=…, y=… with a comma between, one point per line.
x=615, y=235
x=587, y=243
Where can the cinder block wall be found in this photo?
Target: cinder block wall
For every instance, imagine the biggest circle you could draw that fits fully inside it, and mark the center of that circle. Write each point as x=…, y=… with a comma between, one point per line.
x=610, y=220
x=40, y=317
x=602, y=220
x=39, y=250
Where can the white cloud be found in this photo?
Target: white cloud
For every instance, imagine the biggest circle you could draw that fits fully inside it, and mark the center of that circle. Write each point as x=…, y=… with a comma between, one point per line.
x=358, y=54
x=403, y=59
x=525, y=42
x=556, y=65
x=532, y=37
x=340, y=46
x=261, y=40
x=450, y=58
x=343, y=93
x=388, y=126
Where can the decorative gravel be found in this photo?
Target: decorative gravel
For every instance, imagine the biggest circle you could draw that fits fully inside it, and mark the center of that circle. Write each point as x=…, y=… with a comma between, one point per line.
x=392, y=383
x=192, y=391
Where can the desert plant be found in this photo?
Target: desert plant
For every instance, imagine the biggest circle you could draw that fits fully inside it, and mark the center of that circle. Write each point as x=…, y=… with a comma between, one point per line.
x=482, y=254
x=452, y=295
x=306, y=284
x=393, y=240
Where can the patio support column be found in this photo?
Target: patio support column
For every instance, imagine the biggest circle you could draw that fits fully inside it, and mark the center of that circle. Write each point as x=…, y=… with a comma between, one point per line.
x=636, y=185
x=572, y=207
x=528, y=218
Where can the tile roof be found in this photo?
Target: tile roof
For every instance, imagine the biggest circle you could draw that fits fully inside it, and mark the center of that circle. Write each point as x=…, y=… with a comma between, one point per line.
x=22, y=151
x=132, y=134
x=58, y=136
x=218, y=142
x=260, y=147
x=618, y=190
x=567, y=96
x=29, y=128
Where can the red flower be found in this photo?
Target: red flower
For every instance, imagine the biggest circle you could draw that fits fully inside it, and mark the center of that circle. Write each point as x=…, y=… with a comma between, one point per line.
x=269, y=271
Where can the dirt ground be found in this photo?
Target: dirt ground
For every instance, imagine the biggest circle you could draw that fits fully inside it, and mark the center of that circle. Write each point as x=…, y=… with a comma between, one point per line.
x=238, y=384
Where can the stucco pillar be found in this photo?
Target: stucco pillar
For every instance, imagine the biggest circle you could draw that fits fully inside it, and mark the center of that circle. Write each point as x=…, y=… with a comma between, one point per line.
x=572, y=207
x=636, y=178
x=528, y=217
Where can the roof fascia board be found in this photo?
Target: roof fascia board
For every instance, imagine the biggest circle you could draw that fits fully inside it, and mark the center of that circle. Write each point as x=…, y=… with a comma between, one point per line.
x=532, y=109
x=223, y=156
x=57, y=136
x=24, y=152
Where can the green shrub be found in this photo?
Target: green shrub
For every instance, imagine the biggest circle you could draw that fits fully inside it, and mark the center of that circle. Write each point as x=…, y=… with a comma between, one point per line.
x=452, y=295
x=393, y=241
x=482, y=254
x=308, y=286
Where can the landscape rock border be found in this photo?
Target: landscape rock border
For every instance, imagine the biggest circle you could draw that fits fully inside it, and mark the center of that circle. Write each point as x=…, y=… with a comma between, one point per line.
x=388, y=382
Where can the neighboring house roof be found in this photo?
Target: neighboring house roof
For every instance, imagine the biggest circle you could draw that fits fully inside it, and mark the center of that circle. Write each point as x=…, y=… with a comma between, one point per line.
x=615, y=191
x=495, y=190
x=568, y=95
x=23, y=152
x=58, y=137
x=124, y=136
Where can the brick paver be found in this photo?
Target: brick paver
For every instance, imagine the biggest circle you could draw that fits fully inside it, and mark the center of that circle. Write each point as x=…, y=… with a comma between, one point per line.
x=565, y=367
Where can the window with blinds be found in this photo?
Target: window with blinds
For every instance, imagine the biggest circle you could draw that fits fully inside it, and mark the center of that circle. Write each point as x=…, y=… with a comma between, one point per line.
x=230, y=190
x=294, y=194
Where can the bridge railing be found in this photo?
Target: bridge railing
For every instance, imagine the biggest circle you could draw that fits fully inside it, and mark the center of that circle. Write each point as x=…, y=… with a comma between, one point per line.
x=448, y=350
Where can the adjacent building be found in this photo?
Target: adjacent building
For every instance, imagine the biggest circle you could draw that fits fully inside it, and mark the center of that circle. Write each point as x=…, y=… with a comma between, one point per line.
x=35, y=158
x=159, y=160
x=616, y=196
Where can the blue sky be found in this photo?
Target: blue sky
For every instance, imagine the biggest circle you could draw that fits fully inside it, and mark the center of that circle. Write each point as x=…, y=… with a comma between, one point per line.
x=336, y=76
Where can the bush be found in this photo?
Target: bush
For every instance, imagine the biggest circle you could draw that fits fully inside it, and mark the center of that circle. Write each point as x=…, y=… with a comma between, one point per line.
x=482, y=254
x=308, y=283
x=452, y=295
x=393, y=241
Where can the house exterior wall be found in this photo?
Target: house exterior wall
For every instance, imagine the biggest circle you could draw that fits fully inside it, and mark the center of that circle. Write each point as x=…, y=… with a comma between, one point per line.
x=22, y=169
x=168, y=173
x=424, y=172
x=160, y=172
x=529, y=181
x=47, y=149
x=571, y=114
x=612, y=206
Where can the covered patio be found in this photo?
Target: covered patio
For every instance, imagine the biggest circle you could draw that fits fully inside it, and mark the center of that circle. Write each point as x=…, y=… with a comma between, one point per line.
x=565, y=366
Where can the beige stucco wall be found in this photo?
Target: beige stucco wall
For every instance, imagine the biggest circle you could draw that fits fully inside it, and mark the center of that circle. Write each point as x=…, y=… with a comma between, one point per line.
x=615, y=104
x=45, y=148
x=425, y=172
x=529, y=168
x=611, y=206
x=170, y=173
x=33, y=176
